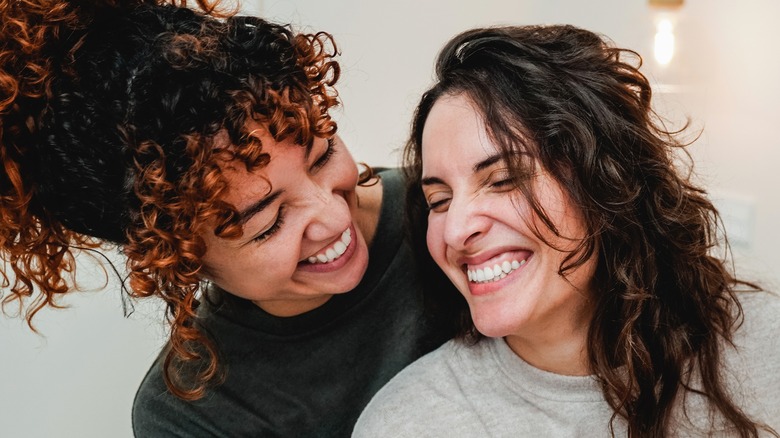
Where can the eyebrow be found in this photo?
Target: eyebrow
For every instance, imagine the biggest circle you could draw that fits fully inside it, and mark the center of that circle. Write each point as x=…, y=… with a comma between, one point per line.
x=431, y=180
x=258, y=206
x=487, y=162
x=482, y=165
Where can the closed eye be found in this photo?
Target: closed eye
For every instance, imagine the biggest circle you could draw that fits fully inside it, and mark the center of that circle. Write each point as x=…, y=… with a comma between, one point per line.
x=270, y=231
x=438, y=206
x=502, y=183
x=325, y=157
x=500, y=179
x=436, y=192
x=437, y=199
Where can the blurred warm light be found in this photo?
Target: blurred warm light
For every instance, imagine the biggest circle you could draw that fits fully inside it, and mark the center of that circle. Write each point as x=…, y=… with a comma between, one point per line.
x=664, y=41
x=666, y=3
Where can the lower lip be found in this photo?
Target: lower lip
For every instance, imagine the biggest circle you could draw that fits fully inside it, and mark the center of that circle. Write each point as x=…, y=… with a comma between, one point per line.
x=336, y=264
x=482, y=289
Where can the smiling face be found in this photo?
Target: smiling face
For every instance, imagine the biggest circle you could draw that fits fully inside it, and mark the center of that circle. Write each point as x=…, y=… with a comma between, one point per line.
x=481, y=233
x=300, y=244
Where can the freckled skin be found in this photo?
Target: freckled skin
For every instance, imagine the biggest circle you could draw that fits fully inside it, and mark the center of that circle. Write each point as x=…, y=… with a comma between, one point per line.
x=316, y=206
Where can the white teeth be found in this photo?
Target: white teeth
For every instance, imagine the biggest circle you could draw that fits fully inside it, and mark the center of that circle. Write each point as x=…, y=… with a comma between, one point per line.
x=506, y=267
x=497, y=272
x=337, y=250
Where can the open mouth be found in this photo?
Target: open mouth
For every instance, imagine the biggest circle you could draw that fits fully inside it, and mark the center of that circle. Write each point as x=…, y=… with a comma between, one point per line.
x=335, y=251
x=494, y=271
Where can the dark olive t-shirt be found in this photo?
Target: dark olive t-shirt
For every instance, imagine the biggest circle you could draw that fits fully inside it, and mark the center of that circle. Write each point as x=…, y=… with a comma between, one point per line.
x=309, y=375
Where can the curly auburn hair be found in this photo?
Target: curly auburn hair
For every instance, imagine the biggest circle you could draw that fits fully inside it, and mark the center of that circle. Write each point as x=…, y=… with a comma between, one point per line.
x=581, y=109
x=115, y=120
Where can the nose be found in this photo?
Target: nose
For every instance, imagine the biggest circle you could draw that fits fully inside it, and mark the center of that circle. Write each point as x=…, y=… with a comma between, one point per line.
x=330, y=214
x=465, y=223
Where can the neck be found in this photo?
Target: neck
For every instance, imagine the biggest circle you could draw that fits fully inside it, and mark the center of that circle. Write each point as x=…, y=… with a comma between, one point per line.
x=288, y=308
x=557, y=348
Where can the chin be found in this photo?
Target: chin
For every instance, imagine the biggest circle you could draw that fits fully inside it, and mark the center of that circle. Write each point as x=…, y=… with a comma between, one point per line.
x=492, y=331
x=490, y=327
x=493, y=322
x=347, y=286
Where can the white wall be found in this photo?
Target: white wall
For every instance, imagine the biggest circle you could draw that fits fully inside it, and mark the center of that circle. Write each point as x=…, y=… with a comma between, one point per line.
x=78, y=377
x=79, y=380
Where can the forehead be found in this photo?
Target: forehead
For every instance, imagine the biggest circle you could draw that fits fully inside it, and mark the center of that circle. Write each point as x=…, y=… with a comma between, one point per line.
x=455, y=134
x=244, y=186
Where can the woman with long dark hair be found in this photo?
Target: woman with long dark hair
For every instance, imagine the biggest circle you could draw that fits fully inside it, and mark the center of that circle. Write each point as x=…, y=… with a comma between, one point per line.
x=201, y=145
x=592, y=298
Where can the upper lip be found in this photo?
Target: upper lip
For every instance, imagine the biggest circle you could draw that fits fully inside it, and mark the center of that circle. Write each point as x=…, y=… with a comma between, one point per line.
x=482, y=257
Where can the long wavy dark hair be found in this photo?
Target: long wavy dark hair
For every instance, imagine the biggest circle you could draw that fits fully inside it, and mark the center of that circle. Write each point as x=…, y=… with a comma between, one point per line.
x=582, y=109
x=115, y=118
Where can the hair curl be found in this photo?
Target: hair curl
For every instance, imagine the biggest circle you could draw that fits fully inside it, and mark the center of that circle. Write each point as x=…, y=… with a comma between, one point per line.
x=581, y=108
x=116, y=119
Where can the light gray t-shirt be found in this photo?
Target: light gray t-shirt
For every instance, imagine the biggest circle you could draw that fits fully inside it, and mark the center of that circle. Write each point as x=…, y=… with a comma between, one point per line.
x=486, y=390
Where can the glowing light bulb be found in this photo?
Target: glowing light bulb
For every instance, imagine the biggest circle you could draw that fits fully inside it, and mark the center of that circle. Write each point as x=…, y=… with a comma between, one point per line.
x=664, y=42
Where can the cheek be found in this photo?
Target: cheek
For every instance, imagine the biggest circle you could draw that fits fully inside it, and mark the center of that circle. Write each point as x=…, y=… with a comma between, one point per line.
x=584, y=276
x=435, y=241
x=241, y=273
x=344, y=168
x=571, y=227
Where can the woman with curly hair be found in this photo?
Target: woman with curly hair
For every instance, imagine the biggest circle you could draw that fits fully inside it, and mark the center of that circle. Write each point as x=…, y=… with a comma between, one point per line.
x=592, y=302
x=201, y=145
